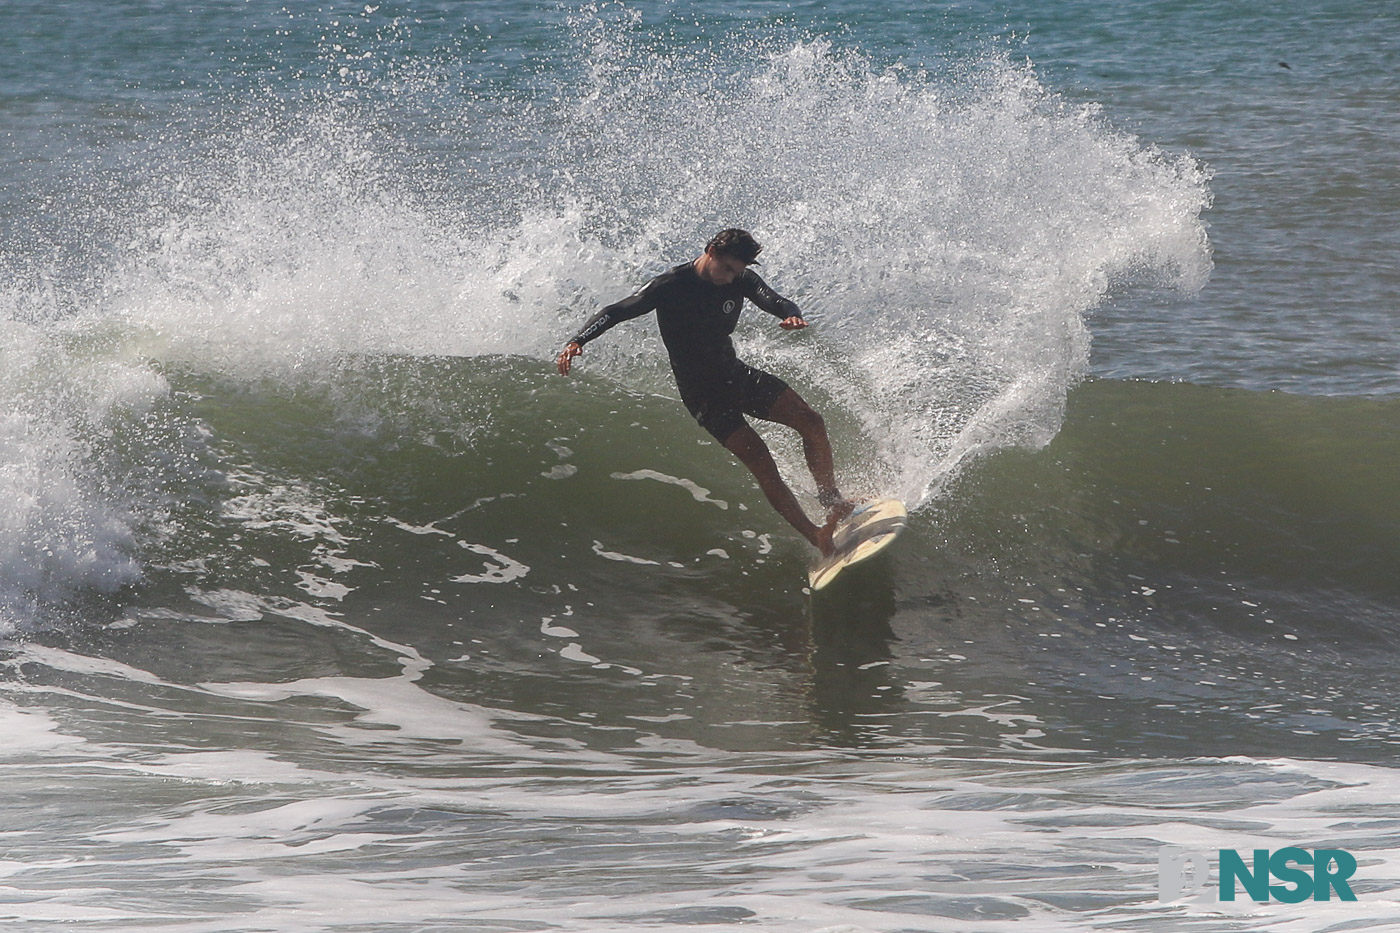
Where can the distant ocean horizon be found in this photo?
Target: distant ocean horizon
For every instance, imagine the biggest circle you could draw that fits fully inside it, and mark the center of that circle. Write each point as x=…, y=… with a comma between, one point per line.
x=327, y=605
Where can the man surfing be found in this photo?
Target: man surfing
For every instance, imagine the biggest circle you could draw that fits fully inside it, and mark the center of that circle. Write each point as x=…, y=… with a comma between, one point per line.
x=697, y=306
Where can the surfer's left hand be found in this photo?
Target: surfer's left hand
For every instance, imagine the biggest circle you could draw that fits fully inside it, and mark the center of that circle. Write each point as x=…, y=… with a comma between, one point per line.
x=792, y=323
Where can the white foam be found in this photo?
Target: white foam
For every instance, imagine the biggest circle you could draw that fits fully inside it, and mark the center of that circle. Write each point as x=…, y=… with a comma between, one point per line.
x=500, y=568
x=398, y=702
x=560, y=471
x=601, y=550
x=31, y=732
x=556, y=631
x=373, y=822
x=697, y=492
x=321, y=587
x=65, y=526
x=289, y=507
x=239, y=606
x=61, y=660
x=574, y=652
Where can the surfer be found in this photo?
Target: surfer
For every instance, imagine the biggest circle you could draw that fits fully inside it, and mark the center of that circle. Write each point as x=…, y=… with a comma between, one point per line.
x=697, y=306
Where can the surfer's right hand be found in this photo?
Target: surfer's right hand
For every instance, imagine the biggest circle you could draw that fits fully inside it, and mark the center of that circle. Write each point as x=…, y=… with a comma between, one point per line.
x=566, y=359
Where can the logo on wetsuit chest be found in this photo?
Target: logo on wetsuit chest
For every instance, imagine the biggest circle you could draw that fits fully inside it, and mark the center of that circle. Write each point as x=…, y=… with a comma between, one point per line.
x=730, y=313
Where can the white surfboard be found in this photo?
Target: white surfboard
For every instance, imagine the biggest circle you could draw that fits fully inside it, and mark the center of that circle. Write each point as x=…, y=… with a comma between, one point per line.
x=867, y=531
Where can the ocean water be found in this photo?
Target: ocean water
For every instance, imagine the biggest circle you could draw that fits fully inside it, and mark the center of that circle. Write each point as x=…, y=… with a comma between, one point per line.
x=325, y=605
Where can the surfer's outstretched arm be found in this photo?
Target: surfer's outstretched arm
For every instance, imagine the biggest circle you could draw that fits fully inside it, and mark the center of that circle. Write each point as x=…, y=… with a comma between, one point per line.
x=762, y=295
x=634, y=305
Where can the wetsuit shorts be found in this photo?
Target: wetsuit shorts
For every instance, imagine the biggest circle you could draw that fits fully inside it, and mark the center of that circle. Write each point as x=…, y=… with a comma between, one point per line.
x=720, y=403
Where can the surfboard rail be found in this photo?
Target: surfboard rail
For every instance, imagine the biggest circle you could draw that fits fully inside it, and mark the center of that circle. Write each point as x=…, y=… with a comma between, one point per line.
x=867, y=531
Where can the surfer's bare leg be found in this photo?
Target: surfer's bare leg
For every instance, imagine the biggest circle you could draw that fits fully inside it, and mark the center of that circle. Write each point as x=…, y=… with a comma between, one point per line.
x=745, y=444
x=792, y=411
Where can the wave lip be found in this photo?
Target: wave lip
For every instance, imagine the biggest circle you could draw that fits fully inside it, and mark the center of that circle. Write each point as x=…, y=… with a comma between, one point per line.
x=71, y=499
x=946, y=233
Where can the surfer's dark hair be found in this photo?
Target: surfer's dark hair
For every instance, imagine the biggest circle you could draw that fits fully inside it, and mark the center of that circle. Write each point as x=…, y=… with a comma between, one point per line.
x=735, y=242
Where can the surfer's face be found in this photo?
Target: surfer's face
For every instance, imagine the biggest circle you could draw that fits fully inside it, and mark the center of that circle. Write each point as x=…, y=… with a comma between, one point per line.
x=719, y=269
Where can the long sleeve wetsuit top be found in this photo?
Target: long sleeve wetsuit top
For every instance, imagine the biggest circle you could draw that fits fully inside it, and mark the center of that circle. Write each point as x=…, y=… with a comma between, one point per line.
x=696, y=319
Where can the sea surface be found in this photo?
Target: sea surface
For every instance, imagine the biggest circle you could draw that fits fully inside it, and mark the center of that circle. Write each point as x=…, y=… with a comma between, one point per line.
x=327, y=605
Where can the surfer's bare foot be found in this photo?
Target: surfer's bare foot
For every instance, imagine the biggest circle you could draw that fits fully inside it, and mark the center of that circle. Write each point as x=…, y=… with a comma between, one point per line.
x=824, y=533
x=838, y=507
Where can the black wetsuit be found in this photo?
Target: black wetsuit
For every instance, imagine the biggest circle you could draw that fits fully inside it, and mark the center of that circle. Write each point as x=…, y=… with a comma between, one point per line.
x=696, y=318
